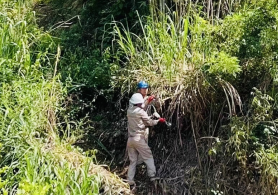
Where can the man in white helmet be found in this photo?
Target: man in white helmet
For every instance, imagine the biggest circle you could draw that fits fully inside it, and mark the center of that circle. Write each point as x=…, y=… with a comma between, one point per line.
x=138, y=122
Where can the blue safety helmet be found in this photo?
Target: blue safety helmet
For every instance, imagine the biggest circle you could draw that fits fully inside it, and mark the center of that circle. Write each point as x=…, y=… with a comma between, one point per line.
x=142, y=85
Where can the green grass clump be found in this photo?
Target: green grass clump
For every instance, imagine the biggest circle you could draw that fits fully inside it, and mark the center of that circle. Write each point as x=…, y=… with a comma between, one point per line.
x=178, y=56
x=33, y=159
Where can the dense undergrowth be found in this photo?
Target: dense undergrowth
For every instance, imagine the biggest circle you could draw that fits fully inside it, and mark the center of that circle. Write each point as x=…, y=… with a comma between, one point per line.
x=34, y=159
x=227, y=59
x=220, y=74
x=213, y=71
x=211, y=64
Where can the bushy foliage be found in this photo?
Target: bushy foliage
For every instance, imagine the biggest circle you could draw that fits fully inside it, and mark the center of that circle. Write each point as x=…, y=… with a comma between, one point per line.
x=82, y=28
x=188, y=61
x=90, y=69
x=251, y=141
x=248, y=35
x=199, y=66
x=33, y=159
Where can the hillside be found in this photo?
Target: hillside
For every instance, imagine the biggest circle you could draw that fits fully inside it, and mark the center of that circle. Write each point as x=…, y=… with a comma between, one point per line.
x=70, y=67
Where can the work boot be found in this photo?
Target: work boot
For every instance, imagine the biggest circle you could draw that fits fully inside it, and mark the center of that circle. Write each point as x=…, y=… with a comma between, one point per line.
x=132, y=186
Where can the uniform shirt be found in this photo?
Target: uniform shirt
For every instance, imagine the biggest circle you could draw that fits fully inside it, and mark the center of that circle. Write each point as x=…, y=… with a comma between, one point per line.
x=138, y=121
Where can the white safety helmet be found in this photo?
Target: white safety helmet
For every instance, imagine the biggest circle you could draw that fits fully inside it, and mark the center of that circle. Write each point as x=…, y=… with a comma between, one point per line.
x=136, y=98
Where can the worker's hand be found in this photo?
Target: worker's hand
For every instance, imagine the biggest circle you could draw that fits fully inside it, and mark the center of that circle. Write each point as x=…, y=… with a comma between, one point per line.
x=151, y=98
x=162, y=120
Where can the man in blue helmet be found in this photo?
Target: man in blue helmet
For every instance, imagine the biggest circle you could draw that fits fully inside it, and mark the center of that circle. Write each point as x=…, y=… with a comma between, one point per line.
x=143, y=88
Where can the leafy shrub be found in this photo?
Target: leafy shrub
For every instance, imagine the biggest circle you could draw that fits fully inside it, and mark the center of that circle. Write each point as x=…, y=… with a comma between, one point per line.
x=91, y=70
x=223, y=65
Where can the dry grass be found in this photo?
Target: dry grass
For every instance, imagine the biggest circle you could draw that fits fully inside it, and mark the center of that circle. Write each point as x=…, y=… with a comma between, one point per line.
x=111, y=184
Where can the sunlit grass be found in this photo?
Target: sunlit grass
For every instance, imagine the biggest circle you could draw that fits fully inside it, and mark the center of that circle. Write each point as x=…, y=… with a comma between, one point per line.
x=33, y=159
x=172, y=54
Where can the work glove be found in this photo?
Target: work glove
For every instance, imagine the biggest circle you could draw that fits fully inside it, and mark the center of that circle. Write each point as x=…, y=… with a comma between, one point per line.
x=151, y=98
x=162, y=120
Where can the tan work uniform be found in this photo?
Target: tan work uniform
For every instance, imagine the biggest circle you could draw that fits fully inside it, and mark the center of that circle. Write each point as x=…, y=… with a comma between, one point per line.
x=138, y=122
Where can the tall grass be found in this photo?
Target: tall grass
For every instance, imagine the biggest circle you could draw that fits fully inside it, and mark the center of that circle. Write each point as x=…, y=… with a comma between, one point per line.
x=33, y=159
x=210, y=10
x=161, y=48
x=44, y=169
x=177, y=55
x=188, y=72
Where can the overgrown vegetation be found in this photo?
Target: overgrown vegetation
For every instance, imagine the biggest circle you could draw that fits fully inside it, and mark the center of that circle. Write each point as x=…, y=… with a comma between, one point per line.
x=34, y=160
x=211, y=64
x=193, y=63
